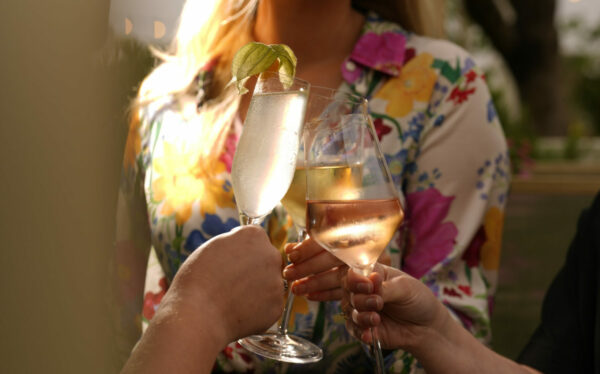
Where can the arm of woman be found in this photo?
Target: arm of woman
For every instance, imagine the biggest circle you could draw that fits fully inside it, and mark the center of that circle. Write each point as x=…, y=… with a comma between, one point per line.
x=407, y=315
x=197, y=318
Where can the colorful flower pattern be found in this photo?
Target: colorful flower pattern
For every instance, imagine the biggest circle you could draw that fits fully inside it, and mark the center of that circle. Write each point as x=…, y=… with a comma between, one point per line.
x=430, y=239
x=414, y=84
x=446, y=152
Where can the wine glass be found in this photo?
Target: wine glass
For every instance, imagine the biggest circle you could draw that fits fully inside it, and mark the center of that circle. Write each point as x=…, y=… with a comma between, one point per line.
x=294, y=203
x=353, y=207
x=263, y=167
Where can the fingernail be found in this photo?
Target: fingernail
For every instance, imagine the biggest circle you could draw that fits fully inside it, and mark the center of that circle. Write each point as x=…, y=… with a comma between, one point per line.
x=294, y=256
x=364, y=287
x=372, y=303
x=372, y=319
x=299, y=289
x=288, y=272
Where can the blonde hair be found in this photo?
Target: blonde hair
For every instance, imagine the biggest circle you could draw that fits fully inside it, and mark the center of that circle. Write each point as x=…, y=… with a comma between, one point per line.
x=210, y=29
x=208, y=32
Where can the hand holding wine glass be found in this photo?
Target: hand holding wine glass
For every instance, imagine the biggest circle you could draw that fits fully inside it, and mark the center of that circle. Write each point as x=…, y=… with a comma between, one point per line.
x=401, y=308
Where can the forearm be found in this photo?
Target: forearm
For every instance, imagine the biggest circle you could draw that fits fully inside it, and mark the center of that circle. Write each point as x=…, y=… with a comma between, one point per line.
x=177, y=341
x=452, y=349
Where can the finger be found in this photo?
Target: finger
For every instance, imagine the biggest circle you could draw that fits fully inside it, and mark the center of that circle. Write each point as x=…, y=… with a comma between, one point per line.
x=365, y=320
x=376, y=279
x=316, y=264
x=365, y=303
x=289, y=247
x=357, y=283
x=329, y=295
x=366, y=336
x=327, y=280
x=299, y=252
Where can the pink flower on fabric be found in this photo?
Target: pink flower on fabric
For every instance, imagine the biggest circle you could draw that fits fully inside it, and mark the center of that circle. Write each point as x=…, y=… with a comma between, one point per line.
x=471, y=254
x=351, y=71
x=152, y=300
x=229, y=151
x=238, y=358
x=383, y=52
x=409, y=54
x=431, y=239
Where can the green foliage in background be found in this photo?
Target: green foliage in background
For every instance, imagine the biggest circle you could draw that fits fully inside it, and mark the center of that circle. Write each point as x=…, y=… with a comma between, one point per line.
x=583, y=70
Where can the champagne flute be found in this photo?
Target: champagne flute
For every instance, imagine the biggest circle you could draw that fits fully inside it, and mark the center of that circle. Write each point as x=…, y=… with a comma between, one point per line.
x=263, y=167
x=353, y=207
x=265, y=158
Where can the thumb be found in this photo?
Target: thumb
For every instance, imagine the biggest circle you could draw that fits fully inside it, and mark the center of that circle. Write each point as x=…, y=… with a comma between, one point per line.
x=399, y=290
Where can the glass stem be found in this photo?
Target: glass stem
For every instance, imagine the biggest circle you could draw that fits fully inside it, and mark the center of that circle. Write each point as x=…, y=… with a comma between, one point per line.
x=286, y=313
x=283, y=325
x=379, y=366
x=247, y=220
x=375, y=344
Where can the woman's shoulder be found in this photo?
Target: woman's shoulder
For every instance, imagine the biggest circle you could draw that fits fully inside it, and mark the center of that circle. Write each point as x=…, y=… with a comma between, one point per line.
x=441, y=50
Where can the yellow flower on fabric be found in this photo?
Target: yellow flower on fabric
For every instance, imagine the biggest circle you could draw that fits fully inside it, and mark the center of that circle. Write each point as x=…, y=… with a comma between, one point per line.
x=278, y=231
x=415, y=83
x=184, y=179
x=490, y=250
x=133, y=145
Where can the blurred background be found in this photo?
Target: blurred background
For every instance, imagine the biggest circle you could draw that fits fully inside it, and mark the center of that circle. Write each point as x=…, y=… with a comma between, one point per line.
x=70, y=68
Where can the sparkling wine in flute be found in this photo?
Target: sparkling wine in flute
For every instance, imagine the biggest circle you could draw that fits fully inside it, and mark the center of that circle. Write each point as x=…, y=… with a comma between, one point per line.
x=355, y=231
x=265, y=159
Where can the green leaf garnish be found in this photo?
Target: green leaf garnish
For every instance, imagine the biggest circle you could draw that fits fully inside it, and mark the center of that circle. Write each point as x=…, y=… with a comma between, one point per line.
x=254, y=58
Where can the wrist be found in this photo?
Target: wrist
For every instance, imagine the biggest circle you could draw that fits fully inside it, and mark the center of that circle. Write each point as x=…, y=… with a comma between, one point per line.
x=197, y=319
x=435, y=337
x=178, y=339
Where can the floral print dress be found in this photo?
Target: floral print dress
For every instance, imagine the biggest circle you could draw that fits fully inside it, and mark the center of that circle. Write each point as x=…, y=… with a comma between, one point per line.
x=446, y=150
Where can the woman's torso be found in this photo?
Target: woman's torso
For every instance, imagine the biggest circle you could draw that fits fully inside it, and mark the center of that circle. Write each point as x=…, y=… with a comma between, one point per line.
x=417, y=88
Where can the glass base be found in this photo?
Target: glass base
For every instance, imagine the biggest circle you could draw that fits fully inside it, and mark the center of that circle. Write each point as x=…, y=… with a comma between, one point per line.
x=286, y=348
